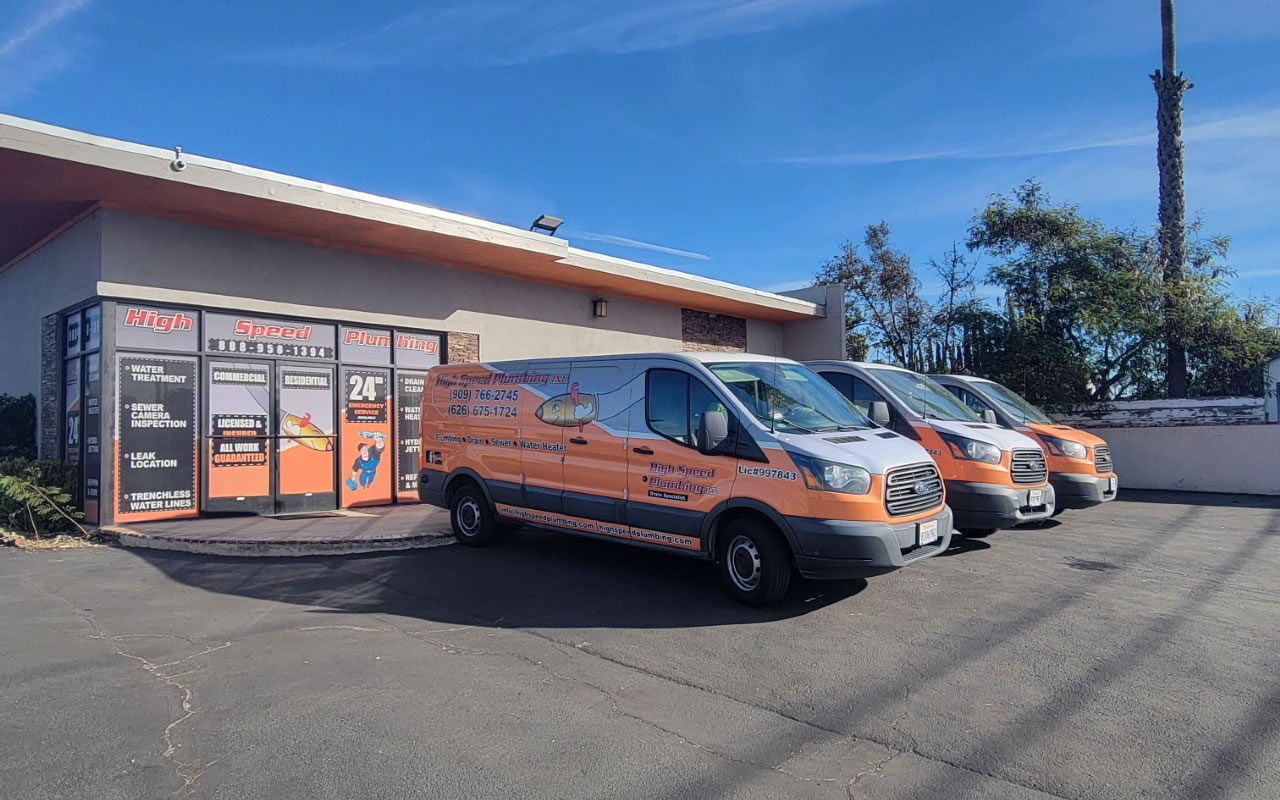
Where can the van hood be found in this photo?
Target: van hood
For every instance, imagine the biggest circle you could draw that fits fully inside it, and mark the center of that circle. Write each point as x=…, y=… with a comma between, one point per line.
x=875, y=449
x=1067, y=432
x=1003, y=438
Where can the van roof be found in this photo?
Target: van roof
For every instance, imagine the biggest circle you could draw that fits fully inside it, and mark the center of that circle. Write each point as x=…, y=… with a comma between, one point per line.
x=962, y=378
x=860, y=364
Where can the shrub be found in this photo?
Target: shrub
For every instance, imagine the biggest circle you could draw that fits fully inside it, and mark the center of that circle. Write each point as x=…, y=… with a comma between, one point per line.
x=17, y=426
x=36, y=496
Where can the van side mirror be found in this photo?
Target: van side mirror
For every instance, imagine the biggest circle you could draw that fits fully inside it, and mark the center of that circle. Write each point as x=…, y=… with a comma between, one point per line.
x=880, y=413
x=989, y=416
x=713, y=429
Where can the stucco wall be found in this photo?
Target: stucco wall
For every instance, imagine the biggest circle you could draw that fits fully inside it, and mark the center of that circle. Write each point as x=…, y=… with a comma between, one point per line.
x=61, y=273
x=1200, y=458
x=514, y=319
x=817, y=338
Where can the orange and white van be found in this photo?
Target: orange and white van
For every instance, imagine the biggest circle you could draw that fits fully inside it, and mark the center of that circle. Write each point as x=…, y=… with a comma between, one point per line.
x=753, y=462
x=995, y=478
x=1080, y=467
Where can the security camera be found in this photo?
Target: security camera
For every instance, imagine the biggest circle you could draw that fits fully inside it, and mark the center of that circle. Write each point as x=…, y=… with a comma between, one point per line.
x=177, y=165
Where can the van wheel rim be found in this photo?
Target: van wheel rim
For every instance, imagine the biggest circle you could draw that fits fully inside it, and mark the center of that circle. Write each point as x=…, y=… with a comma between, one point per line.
x=469, y=517
x=743, y=561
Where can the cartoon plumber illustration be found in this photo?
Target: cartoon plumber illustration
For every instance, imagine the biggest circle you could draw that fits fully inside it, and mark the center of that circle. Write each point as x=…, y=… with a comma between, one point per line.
x=365, y=468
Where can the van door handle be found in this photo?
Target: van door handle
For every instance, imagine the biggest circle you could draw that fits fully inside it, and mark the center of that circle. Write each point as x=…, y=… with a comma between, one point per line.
x=644, y=451
x=577, y=440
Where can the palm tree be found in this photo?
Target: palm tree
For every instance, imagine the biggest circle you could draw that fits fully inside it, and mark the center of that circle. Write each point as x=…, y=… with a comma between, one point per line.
x=1170, y=84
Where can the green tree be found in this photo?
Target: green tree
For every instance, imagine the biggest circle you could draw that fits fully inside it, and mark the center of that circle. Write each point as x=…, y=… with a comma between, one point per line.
x=885, y=312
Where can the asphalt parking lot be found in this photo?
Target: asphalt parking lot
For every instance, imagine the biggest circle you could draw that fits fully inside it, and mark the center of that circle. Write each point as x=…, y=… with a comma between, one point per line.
x=1130, y=651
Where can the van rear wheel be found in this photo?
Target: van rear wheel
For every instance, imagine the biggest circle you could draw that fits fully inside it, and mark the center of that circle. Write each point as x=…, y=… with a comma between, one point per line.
x=754, y=562
x=473, y=522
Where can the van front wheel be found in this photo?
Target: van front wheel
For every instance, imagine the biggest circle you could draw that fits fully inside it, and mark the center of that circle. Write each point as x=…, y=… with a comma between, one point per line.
x=473, y=521
x=754, y=562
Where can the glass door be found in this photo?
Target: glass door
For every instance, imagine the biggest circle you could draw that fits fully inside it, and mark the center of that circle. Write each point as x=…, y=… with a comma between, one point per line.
x=305, y=438
x=239, y=466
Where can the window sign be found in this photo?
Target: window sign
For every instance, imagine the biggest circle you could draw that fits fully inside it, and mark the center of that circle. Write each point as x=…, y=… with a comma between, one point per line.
x=71, y=412
x=91, y=328
x=156, y=426
x=417, y=350
x=91, y=430
x=365, y=345
x=409, y=387
x=155, y=328
x=258, y=336
x=72, y=334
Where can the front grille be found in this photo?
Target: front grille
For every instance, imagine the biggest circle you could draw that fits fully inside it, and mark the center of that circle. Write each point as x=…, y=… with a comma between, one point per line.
x=900, y=494
x=1028, y=466
x=1102, y=458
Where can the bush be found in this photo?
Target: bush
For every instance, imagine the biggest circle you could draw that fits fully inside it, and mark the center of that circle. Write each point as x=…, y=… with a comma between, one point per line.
x=17, y=426
x=39, y=490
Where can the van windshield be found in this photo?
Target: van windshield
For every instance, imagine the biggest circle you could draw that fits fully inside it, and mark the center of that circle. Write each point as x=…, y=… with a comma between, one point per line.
x=924, y=396
x=1014, y=404
x=789, y=397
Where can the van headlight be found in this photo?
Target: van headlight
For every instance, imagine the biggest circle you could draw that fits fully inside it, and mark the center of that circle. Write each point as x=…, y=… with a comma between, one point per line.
x=1064, y=447
x=829, y=476
x=971, y=449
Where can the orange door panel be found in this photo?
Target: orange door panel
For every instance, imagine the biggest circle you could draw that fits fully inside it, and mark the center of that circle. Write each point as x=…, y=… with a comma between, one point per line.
x=594, y=421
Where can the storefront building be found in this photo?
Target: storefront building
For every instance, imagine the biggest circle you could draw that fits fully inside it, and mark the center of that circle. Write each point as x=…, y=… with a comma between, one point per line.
x=204, y=337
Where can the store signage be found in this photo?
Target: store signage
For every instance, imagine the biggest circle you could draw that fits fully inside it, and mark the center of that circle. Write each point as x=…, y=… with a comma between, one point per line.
x=409, y=388
x=365, y=345
x=156, y=429
x=242, y=335
x=418, y=350
x=155, y=328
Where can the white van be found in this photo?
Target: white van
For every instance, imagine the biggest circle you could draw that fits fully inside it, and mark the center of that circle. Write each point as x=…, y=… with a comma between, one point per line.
x=753, y=462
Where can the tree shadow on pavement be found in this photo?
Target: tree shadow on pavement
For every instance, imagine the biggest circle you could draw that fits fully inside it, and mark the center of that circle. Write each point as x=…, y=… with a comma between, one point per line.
x=529, y=579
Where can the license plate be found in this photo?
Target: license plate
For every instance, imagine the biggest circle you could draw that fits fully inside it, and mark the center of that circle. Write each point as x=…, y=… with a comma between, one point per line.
x=1111, y=484
x=928, y=531
x=1035, y=497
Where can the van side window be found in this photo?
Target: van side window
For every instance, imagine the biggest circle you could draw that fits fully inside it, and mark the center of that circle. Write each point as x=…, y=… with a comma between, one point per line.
x=970, y=399
x=675, y=403
x=856, y=389
x=666, y=401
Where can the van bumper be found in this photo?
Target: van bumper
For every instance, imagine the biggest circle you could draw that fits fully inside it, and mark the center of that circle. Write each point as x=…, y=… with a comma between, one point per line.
x=431, y=487
x=1081, y=491
x=843, y=549
x=990, y=505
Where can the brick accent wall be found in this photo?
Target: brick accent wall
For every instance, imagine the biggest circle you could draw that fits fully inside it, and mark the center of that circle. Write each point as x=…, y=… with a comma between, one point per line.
x=50, y=384
x=700, y=330
x=462, y=348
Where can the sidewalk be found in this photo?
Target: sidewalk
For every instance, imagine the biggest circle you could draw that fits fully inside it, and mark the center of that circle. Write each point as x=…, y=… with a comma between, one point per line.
x=350, y=531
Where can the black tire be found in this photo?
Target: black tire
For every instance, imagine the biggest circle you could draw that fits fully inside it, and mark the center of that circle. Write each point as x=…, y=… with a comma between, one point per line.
x=473, y=522
x=1057, y=510
x=754, y=562
x=978, y=533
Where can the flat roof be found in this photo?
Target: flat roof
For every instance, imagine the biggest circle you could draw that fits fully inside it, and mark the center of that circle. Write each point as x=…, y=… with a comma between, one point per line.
x=54, y=175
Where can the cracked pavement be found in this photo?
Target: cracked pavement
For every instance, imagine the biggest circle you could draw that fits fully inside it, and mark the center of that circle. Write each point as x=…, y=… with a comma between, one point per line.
x=1130, y=651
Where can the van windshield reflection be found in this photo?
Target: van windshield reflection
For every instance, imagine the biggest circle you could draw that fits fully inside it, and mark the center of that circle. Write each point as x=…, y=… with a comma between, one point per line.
x=789, y=397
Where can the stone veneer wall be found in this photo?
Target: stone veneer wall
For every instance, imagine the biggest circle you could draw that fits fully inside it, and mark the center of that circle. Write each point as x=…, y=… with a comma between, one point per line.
x=50, y=384
x=462, y=348
x=700, y=330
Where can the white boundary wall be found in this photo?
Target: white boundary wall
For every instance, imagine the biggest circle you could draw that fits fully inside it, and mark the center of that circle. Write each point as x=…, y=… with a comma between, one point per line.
x=1212, y=444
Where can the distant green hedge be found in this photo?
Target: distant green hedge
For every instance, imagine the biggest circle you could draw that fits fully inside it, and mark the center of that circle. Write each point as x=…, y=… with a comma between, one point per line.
x=55, y=475
x=17, y=426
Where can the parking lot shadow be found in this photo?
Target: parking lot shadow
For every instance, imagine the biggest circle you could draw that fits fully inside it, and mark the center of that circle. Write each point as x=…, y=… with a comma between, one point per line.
x=1196, y=498
x=527, y=580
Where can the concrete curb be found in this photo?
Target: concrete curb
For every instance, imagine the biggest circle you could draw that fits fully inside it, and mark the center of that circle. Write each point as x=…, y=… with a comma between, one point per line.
x=213, y=546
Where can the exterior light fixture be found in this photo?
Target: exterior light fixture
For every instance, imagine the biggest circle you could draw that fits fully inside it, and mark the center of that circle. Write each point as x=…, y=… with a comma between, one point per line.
x=547, y=224
x=599, y=308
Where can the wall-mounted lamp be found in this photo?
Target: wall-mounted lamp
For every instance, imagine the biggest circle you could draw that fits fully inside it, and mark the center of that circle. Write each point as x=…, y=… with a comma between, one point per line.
x=599, y=308
x=547, y=224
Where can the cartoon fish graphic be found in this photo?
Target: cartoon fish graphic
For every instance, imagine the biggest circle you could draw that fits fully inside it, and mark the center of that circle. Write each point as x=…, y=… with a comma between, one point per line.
x=304, y=432
x=567, y=410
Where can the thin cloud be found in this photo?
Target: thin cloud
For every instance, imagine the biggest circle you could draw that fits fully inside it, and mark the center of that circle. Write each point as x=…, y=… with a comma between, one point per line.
x=29, y=52
x=1232, y=127
x=623, y=241
x=509, y=32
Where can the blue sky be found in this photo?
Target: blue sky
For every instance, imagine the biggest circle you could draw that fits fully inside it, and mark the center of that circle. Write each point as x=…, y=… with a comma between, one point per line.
x=741, y=139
